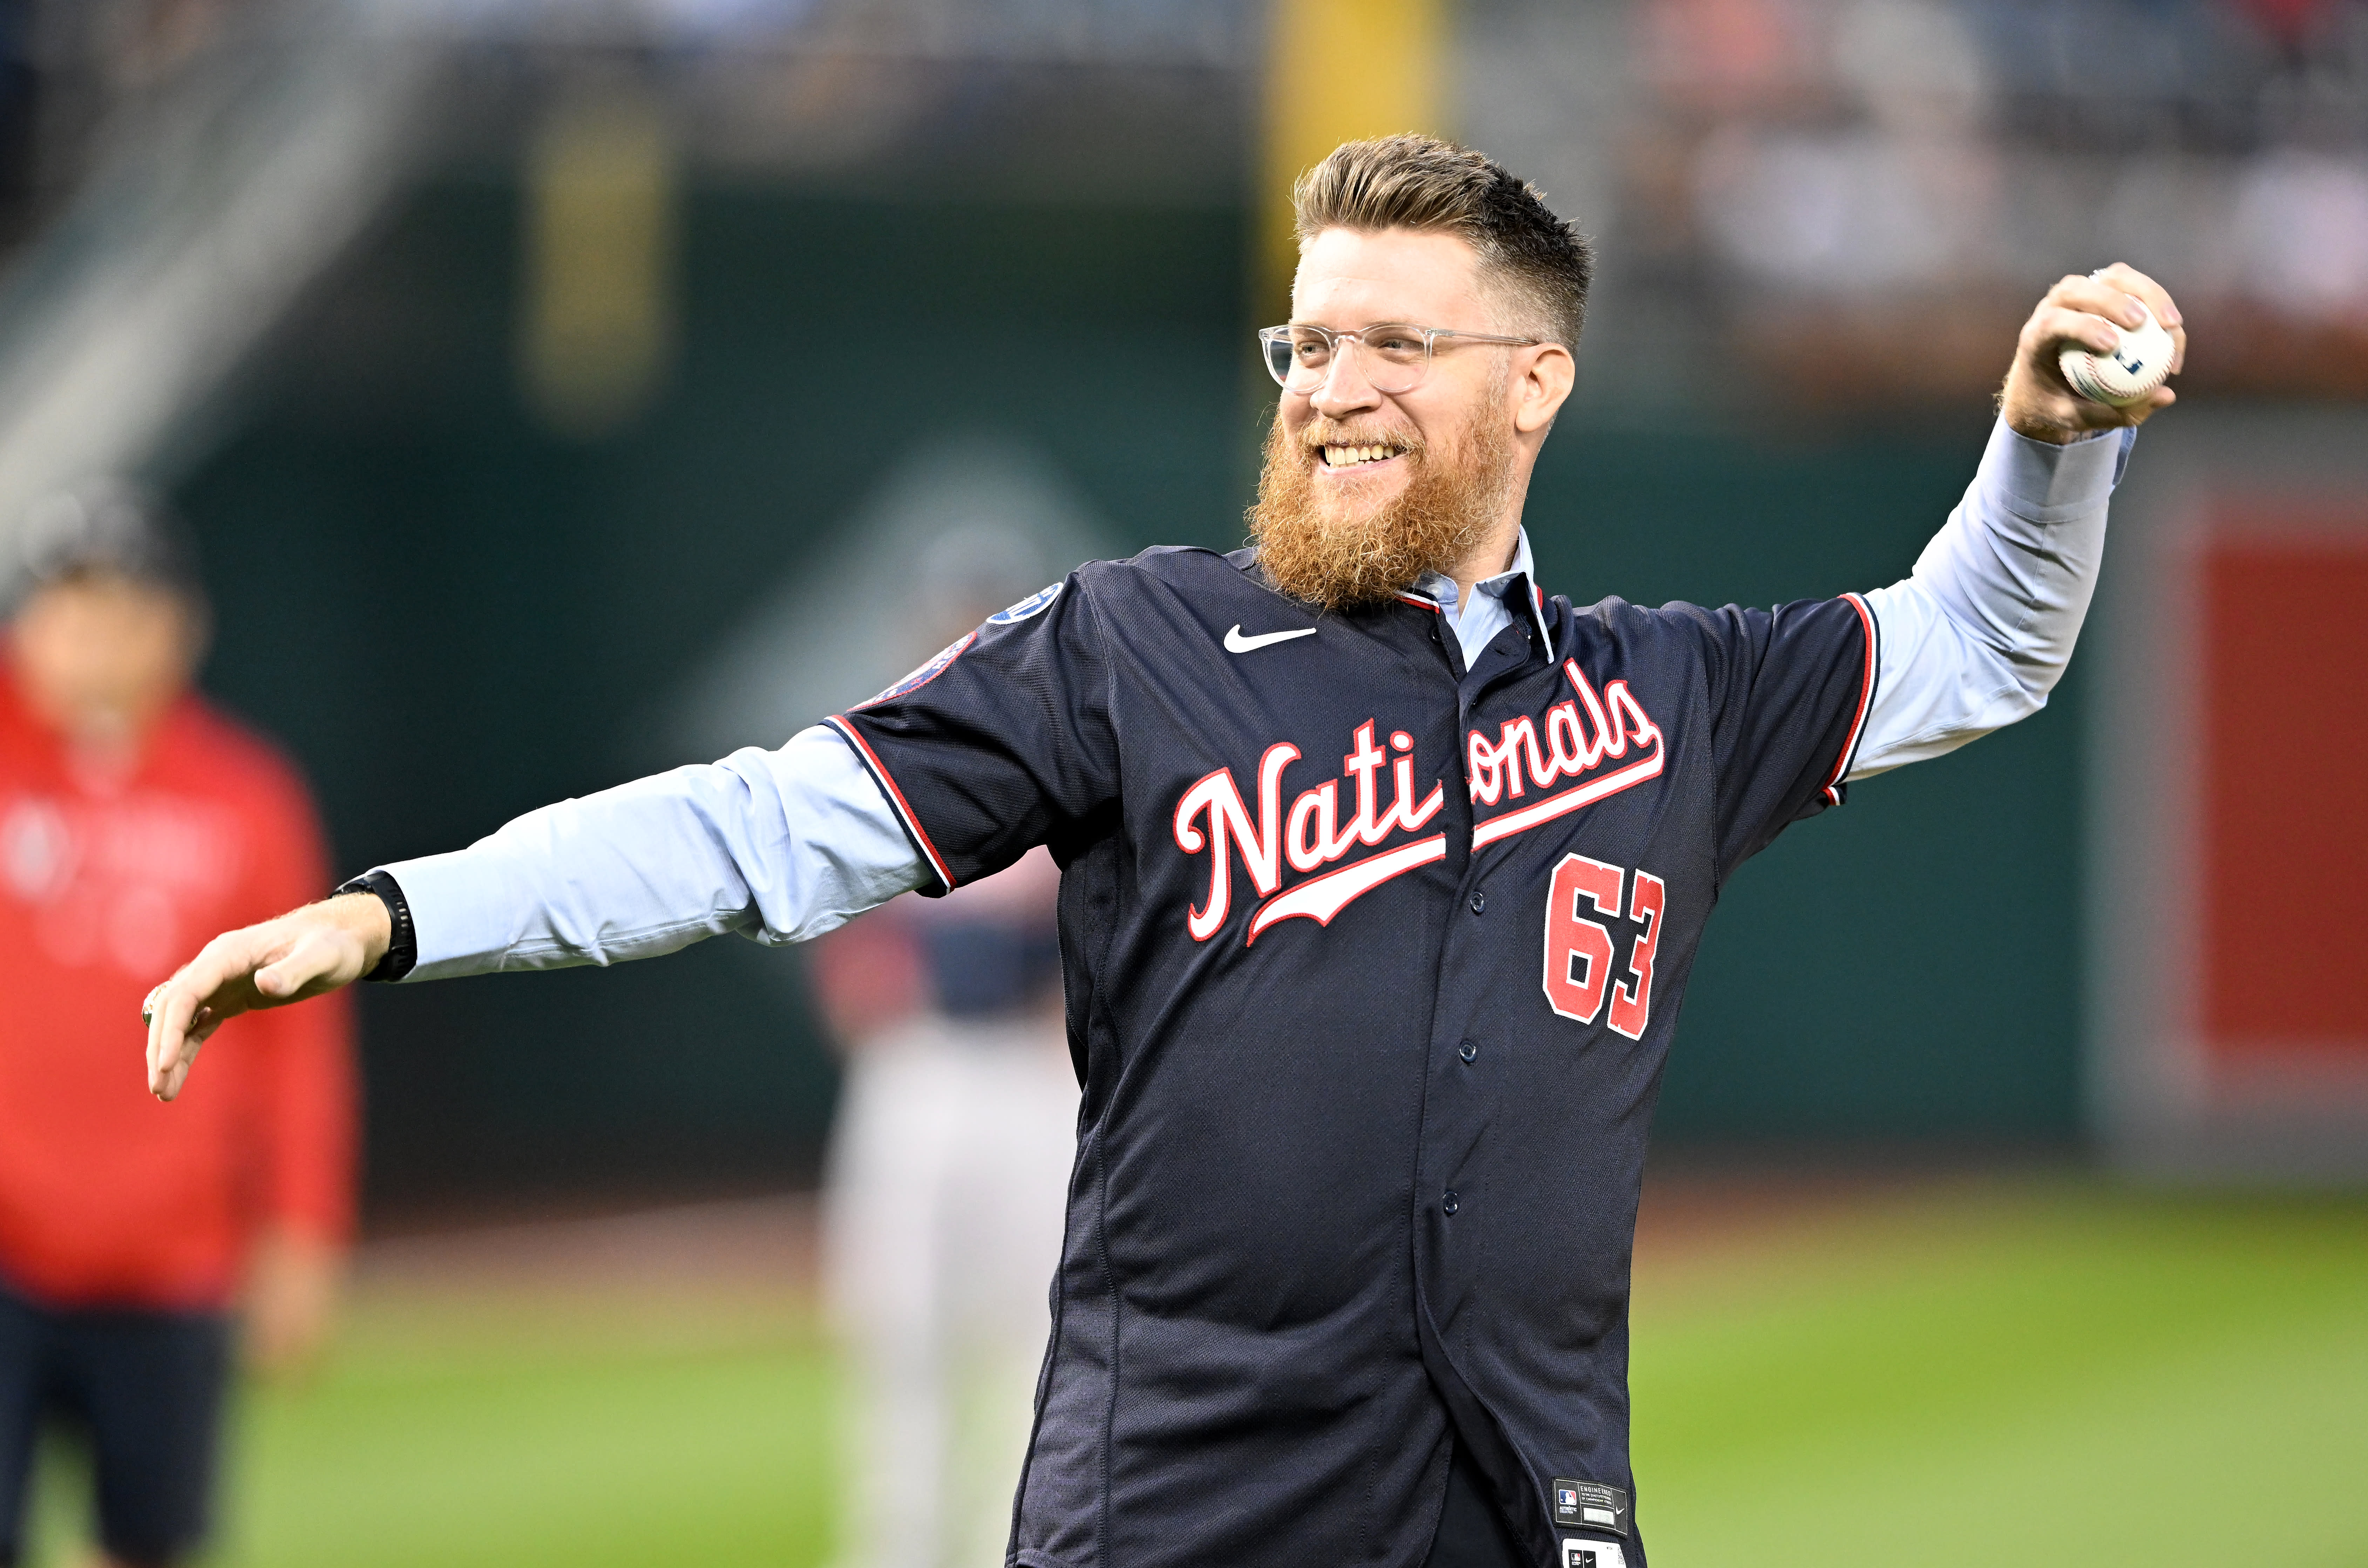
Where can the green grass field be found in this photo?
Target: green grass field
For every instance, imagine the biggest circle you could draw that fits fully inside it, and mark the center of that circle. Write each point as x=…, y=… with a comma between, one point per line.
x=2044, y=1372
x=2037, y=1373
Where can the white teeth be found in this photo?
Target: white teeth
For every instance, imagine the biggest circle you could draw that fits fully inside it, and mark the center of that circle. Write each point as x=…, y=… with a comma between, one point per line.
x=1345, y=457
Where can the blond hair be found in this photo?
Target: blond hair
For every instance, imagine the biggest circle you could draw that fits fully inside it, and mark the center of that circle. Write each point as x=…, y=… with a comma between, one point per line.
x=1537, y=264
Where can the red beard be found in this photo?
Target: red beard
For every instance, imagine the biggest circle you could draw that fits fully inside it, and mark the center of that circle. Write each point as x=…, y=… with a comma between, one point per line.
x=1340, y=562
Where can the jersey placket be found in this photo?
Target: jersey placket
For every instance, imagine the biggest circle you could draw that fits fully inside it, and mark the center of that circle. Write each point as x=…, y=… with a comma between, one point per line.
x=1463, y=1067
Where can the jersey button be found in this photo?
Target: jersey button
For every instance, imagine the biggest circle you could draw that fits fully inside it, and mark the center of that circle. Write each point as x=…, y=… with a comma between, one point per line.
x=1479, y=900
x=1467, y=1050
x=1449, y=1204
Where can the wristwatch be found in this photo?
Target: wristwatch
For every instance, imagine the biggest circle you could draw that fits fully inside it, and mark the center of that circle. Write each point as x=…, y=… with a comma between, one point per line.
x=403, y=942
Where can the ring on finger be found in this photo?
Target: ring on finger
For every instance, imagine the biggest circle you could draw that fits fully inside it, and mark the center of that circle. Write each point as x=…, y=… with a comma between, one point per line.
x=148, y=1005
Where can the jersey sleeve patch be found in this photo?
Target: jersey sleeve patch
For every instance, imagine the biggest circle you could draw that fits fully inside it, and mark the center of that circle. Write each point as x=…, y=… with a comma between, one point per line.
x=924, y=675
x=1002, y=740
x=1034, y=604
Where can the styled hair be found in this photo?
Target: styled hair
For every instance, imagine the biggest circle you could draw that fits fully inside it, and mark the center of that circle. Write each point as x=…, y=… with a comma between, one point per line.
x=1526, y=253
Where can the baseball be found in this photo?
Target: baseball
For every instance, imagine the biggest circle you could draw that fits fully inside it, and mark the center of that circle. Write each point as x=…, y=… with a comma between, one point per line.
x=2131, y=374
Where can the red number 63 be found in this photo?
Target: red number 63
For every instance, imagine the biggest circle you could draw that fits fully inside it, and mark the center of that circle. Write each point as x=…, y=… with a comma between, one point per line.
x=1579, y=950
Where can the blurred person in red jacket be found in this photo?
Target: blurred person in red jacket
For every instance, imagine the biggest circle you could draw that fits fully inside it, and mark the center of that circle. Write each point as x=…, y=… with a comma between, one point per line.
x=134, y=817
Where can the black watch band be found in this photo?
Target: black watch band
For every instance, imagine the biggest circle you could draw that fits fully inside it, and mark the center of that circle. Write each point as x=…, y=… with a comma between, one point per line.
x=403, y=942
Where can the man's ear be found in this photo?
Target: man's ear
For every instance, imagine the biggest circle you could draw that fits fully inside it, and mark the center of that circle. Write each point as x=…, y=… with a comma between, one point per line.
x=1541, y=386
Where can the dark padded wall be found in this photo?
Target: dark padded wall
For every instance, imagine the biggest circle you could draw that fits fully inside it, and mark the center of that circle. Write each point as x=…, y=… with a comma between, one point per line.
x=448, y=615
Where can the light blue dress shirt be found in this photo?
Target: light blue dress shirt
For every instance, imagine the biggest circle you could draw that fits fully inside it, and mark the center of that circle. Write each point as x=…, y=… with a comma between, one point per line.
x=1488, y=609
x=782, y=846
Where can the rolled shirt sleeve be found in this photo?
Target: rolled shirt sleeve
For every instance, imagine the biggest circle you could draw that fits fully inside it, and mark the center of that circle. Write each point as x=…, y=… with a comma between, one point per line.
x=775, y=845
x=1979, y=634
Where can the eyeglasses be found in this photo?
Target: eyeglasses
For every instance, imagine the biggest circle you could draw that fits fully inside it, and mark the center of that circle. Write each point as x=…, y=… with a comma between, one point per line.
x=1300, y=357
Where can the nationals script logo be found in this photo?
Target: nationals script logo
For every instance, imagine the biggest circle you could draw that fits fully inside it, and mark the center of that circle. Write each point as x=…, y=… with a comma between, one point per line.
x=1580, y=735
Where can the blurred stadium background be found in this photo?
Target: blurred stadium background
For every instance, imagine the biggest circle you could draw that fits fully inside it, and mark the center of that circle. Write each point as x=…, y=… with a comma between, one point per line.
x=537, y=371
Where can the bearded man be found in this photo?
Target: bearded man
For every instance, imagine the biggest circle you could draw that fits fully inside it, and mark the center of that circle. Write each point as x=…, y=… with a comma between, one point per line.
x=1368, y=1049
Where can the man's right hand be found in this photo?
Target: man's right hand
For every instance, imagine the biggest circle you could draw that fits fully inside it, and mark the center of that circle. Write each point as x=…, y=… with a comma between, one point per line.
x=2082, y=312
x=303, y=953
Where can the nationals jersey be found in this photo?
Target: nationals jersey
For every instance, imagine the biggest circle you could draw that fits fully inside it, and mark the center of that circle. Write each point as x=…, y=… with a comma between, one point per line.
x=1373, y=962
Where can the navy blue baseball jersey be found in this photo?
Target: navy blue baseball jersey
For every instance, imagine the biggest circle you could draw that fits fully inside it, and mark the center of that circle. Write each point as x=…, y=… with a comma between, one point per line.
x=1372, y=963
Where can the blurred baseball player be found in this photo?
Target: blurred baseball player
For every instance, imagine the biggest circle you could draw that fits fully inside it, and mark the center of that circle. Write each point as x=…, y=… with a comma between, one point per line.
x=132, y=817
x=958, y=1104
x=1381, y=875
x=941, y=1202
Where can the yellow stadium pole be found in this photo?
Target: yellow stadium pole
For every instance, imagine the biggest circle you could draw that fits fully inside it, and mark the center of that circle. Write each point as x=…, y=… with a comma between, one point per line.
x=1336, y=69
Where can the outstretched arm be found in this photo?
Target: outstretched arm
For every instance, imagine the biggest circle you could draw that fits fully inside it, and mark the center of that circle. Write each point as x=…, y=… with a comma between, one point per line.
x=1978, y=635
x=775, y=845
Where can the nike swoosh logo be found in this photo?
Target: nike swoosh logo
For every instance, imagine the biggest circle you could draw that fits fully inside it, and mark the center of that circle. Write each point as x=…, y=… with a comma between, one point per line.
x=1237, y=644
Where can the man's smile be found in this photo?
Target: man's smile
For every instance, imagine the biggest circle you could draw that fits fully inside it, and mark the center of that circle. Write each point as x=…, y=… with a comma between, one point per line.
x=1366, y=456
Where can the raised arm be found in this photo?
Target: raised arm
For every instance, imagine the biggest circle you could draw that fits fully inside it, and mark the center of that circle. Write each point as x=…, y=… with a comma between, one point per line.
x=1978, y=634
x=777, y=846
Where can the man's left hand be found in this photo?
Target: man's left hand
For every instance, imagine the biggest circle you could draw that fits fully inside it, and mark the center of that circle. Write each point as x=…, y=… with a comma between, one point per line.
x=2082, y=311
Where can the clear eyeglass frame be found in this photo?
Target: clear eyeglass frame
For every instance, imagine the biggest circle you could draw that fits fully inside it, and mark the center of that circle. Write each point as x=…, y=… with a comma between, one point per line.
x=1396, y=353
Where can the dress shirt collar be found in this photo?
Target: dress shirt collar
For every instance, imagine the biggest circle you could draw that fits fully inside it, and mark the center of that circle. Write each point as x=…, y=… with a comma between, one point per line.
x=1490, y=608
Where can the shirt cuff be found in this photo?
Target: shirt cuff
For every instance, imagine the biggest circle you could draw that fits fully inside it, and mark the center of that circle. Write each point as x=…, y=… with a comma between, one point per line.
x=457, y=903
x=2047, y=484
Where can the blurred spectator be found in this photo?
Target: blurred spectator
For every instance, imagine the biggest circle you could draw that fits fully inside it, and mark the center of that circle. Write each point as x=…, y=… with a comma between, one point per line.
x=2290, y=21
x=2302, y=221
x=1725, y=57
x=1890, y=189
x=1855, y=214
x=944, y=1204
x=1859, y=193
x=133, y=816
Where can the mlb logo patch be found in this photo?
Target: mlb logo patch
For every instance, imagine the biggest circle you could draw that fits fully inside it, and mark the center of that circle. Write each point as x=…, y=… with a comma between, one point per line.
x=1592, y=1555
x=1590, y=1506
